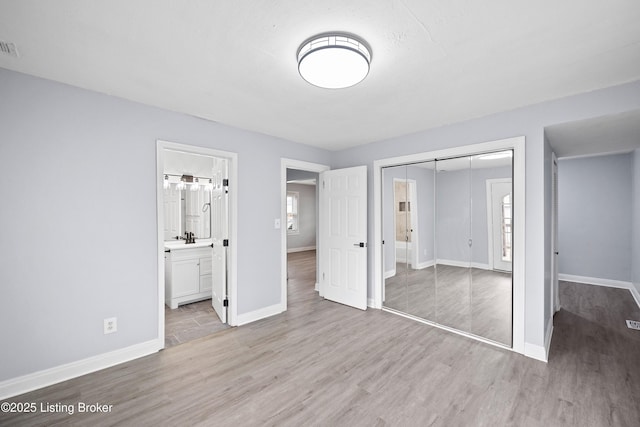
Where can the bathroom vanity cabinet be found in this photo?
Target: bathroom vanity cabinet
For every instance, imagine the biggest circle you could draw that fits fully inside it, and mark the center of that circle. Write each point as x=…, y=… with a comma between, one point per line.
x=188, y=274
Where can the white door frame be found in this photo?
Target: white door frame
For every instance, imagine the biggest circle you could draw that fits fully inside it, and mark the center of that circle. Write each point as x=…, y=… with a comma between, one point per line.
x=555, y=292
x=232, y=292
x=490, y=236
x=517, y=144
x=308, y=167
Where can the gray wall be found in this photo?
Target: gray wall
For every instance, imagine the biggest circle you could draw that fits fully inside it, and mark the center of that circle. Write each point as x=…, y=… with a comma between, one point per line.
x=635, y=261
x=424, y=188
x=530, y=122
x=457, y=205
x=306, y=237
x=63, y=268
x=594, y=216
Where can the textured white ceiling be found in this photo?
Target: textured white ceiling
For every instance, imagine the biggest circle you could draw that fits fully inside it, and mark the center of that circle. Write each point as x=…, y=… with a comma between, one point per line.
x=434, y=62
x=609, y=134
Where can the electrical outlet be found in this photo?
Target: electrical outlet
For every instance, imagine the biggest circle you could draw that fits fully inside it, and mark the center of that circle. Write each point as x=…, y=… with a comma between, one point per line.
x=110, y=325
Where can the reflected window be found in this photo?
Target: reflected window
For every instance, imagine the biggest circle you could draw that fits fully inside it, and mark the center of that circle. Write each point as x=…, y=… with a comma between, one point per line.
x=292, y=212
x=506, y=228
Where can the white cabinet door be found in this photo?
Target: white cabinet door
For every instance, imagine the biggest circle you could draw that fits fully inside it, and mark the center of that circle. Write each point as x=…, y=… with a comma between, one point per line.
x=186, y=277
x=206, y=279
x=344, y=235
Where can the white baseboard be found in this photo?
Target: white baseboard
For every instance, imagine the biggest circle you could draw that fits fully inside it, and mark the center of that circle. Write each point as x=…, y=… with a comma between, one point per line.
x=594, y=281
x=389, y=273
x=371, y=303
x=261, y=313
x=302, y=249
x=636, y=294
x=317, y=287
x=47, y=377
x=463, y=264
x=547, y=338
x=602, y=282
x=534, y=351
x=424, y=264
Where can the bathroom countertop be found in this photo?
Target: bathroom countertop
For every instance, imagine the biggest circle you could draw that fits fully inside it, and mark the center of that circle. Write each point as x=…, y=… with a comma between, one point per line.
x=180, y=244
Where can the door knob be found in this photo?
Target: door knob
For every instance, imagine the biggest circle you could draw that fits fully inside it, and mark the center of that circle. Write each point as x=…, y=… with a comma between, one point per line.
x=360, y=245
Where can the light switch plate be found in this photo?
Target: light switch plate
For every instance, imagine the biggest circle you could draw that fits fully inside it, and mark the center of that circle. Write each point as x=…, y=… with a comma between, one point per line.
x=276, y=223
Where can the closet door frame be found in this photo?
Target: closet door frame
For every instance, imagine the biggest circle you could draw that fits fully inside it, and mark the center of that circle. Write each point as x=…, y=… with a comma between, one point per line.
x=517, y=144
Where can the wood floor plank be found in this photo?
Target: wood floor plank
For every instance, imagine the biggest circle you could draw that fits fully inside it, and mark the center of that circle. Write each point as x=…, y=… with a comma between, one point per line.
x=321, y=363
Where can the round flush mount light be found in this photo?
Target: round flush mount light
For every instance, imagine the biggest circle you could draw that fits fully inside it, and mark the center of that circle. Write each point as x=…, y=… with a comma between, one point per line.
x=334, y=61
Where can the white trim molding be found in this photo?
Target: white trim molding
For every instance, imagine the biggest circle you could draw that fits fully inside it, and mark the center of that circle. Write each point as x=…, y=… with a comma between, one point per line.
x=463, y=264
x=635, y=294
x=259, y=314
x=47, y=377
x=301, y=249
x=609, y=283
x=232, y=275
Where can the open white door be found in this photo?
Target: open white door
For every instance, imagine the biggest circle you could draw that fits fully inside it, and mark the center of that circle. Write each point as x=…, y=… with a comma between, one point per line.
x=219, y=237
x=343, y=239
x=555, y=294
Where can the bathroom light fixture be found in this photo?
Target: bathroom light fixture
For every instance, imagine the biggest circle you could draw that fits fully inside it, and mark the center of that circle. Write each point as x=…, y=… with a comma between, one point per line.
x=494, y=156
x=181, y=186
x=195, y=185
x=166, y=182
x=209, y=186
x=334, y=60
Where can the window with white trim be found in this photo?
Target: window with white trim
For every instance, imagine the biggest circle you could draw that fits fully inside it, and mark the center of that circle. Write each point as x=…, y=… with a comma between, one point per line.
x=292, y=212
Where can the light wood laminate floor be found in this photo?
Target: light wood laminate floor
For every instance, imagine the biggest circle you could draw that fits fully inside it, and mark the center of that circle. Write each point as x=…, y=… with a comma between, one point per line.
x=468, y=299
x=321, y=363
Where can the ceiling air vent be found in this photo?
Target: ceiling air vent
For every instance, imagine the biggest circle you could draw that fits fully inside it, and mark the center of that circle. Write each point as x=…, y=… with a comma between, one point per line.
x=7, y=48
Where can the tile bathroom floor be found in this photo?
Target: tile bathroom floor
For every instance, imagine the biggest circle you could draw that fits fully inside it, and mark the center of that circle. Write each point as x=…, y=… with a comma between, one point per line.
x=189, y=322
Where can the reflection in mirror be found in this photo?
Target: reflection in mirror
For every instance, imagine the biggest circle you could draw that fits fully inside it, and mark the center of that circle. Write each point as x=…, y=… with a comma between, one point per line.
x=447, y=232
x=421, y=290
x=394, y=215
x=453, y=243
x=187, y=194
x=491, y=278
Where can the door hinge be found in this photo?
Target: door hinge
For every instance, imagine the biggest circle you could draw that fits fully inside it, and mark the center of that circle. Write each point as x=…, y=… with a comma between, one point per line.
x=323, y=276
x=225, y=182
x=225, y=303
x=225, y=242
x=323, y=184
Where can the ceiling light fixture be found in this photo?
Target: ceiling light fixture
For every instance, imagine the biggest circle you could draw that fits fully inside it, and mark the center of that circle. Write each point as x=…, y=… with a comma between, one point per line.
x=334, y=60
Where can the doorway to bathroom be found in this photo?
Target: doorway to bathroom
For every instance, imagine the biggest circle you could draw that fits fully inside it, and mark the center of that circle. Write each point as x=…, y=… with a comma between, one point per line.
x=196, y=214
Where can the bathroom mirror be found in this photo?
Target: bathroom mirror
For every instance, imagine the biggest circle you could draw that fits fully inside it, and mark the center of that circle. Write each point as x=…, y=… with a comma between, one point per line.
x=187, y=211
x=187, y=194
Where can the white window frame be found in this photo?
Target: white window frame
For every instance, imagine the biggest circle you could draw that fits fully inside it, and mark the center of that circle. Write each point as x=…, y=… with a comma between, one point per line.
x=296, y=198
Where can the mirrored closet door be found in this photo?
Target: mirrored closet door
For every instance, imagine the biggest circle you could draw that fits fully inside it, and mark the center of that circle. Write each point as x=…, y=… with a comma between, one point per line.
x=447, y=243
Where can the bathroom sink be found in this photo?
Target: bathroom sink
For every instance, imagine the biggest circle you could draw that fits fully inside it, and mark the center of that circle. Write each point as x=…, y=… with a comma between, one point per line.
x=180, y=244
